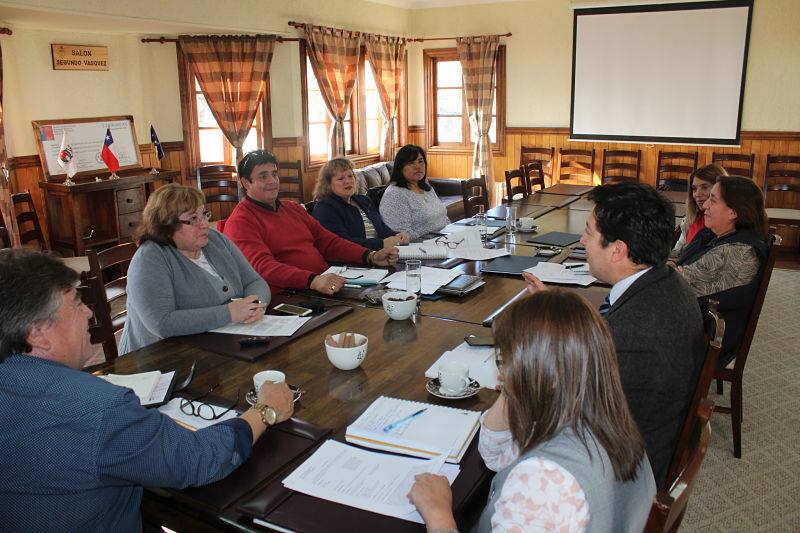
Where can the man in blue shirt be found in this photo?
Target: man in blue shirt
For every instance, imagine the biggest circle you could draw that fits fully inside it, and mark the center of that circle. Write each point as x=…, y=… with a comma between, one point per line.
x=75, y=450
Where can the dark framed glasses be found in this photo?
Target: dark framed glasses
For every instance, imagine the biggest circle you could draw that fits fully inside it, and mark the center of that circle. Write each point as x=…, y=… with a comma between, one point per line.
x=206, y=411
x=444, y=241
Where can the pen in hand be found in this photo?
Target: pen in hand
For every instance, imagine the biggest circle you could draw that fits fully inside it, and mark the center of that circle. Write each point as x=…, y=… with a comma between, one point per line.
x=398, y=423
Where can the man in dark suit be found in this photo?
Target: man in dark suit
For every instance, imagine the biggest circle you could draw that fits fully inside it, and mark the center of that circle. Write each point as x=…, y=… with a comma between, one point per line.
x=653, y=314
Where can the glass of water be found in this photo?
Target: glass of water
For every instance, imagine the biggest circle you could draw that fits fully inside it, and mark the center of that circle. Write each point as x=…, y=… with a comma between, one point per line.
x=511, y=220
x=480, y=222
x=414, y=276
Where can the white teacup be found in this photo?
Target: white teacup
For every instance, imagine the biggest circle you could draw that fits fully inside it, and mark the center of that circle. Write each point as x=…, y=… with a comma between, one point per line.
x=453, y=378
x=272, y=376
x=347, y=358
x=399, y=305
x=527, y=223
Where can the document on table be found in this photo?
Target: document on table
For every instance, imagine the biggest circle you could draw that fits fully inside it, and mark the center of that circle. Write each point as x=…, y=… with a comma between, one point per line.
x=558, y=273
x=269, y=326
x=468, y=245
x=359, y=276
x=432, y=279
x=479, y=359
x=372, y=481
x=173, y=410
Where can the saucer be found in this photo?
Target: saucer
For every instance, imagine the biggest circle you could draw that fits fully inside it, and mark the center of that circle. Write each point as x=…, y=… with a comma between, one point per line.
x=432, y=386
x=252, y=397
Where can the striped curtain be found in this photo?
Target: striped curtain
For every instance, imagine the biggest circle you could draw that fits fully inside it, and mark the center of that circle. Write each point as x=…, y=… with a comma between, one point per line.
x=478, y=57
x=232, y=72
x=387, y=58
x=334, y=55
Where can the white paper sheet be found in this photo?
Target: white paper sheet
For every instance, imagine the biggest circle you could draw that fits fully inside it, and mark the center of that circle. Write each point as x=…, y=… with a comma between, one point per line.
x=269, y=326
x=432, y=279
x=359, y=276
x=479, y=359
x=173, y=410
x=142, y=384
x=159, y=392
x=468, y=245
x=557, y=273
x=366, y=480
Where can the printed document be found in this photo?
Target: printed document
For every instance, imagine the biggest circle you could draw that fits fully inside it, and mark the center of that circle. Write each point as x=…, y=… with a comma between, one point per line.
x=432, y=279
x=269, y=326
x=558, y=273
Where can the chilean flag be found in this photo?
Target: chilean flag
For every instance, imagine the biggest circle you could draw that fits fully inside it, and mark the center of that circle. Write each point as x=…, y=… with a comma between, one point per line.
x=107, y=155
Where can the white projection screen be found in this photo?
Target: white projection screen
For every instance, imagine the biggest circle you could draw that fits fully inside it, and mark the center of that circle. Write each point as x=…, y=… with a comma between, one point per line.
x=660, y=73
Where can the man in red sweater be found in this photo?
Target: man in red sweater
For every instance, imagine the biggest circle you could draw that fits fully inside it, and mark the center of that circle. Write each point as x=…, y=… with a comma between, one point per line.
x=286, y=245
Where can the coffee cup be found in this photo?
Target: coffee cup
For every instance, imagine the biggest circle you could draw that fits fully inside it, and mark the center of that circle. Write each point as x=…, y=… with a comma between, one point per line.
x=453, y=378
x=399, y=305
x=346, y=358
x=272, y=376
x=527, y=223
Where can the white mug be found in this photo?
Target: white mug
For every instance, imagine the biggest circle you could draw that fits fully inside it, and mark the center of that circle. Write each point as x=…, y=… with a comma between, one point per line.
x=273, y=376
x=453, y=378
x=527, y=223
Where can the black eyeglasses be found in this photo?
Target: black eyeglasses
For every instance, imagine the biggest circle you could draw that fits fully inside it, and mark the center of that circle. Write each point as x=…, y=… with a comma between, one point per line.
x=195, y=220
x=195, y=407
x=445, y=241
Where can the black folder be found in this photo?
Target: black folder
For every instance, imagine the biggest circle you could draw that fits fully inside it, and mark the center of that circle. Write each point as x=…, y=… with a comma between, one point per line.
x=509, y=264
x=556, y=238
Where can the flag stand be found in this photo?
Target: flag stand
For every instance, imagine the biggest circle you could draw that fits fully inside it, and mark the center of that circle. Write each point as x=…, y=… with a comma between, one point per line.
x=113, y=176
x=98, y=178
x=153, y=170
x=68, y=182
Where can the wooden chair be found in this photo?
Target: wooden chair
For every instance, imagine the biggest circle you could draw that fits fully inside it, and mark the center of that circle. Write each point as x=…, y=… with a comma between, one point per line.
x=534, y=173
x=669, y=507
x=221, y=188
x=25, y=213
x=576, y=166
x=782, y=177
x=100, y=329
x=310, y=207
x=522, y=188
x=715, y=332
x=5, y=236
x=735, y=164
x=735, y=369
x=547, y=156
x=471, y=199
x=674, y=169
x=291, y=173
x=621, y=165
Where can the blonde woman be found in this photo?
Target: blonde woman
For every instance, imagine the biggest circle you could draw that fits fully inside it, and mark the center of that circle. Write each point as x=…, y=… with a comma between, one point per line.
x=700, y=183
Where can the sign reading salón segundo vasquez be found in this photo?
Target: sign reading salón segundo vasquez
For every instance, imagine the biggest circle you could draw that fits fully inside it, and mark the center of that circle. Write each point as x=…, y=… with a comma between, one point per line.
x=77, y=57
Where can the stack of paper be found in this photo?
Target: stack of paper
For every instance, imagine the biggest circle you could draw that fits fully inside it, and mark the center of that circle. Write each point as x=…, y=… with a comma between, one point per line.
x=422, y=251
x=415, y=428
x=359, y=276
x=432, y=279
x=479, y=359
x=492, y=229
x=173, y=410
x=466, y=244
x=558, y=273
x=269, y=326
x=151, y=387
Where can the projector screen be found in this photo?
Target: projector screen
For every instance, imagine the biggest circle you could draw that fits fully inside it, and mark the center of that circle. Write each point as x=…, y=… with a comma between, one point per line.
x=668, y=73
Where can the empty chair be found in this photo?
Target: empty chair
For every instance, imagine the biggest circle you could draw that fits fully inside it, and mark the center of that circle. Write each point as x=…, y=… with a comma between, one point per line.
x=621, y=165
x=674, y=170
x=25, y=213
x=534, y=174
x=782, y=190
x=528, y=154
x=522, y=188
x=110, y=267
x=735, y=164
x=291, y=173
x=474, y=194
x=221, y=188
x=577, y=166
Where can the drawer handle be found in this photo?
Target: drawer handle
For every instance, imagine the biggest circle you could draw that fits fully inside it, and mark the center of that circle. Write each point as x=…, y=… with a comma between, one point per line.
x=131, y=224
x=129, y=200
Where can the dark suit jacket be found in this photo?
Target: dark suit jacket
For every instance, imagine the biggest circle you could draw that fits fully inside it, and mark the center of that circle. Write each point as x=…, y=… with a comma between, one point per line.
x=345, y=220
x=658, y=331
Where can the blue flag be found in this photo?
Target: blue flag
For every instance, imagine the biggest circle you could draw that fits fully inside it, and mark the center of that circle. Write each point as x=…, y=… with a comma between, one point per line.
x=156, y=143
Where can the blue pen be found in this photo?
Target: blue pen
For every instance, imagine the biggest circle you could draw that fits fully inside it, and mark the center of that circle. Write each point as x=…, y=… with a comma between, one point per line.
x=402, y=421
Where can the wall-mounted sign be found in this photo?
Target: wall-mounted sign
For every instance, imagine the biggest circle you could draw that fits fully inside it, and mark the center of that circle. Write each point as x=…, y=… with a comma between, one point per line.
x=76, y=57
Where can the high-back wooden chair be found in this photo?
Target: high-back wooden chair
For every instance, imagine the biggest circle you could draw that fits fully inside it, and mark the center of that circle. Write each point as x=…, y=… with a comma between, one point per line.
x=734, y=371
x=534, y=173
x=100, y=330
x=221, y=188
x=110, y=266
x=669, y=507
x=5, y=235
x=291, y=174
x=474, y=193
x=782, y=190
x=735, y=164
x=522, y=188
x=577, y=166
x=547, y=156
x=25, y=213
x=621, y=165
x=674, y=169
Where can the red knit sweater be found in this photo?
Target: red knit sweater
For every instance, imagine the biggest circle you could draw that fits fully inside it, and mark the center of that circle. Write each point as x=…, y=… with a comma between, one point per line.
x=287, y=246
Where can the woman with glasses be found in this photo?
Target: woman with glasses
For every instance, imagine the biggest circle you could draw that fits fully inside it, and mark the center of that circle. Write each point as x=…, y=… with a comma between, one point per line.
x=186, y=278
x=567, y=452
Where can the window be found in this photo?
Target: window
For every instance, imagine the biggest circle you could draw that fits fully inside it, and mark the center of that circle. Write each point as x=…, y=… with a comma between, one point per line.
x=363, y=123
x=447, y=124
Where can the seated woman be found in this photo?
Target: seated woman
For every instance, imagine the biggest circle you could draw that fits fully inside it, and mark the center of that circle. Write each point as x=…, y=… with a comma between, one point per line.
x=186, y=278
x=700, y=183
x=410, y=203
x=567, y=452
x=288, y=247
x=347, y=214
x=724, y=260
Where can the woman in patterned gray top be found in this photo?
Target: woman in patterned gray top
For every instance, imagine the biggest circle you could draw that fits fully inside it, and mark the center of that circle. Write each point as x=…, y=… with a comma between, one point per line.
x=410, y=204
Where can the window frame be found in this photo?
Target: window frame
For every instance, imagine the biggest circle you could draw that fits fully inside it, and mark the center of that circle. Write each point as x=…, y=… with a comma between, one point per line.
x=430, y=58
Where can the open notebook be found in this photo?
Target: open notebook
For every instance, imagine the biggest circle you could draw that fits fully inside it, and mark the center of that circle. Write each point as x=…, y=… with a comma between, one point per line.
x=152, y=388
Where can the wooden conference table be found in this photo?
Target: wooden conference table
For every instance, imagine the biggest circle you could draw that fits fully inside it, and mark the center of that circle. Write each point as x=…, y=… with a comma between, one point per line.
x=399, y=354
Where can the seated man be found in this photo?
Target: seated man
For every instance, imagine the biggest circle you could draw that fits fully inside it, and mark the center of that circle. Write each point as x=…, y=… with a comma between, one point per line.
x=653, y=313
x=76, y=449
x=287, y=246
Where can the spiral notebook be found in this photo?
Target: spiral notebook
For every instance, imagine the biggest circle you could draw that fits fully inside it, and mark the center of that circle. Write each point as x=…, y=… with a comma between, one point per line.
x=422, y=251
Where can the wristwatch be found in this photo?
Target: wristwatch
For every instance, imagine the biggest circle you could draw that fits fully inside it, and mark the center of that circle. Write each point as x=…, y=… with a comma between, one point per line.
x=268, y=414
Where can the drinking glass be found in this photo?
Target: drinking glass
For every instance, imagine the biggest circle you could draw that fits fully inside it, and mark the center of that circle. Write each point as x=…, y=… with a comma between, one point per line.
x=511, y=220
x=414, y=276
x=480, y=222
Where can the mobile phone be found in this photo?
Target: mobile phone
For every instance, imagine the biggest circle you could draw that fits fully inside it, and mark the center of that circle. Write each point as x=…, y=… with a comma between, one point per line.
x=475, y=340
x=252, y=341
x=288, y=309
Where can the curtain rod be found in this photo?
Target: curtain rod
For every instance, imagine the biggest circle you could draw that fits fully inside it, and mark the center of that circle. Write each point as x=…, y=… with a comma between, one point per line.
x=412, y=39
x=5, y=31
x=163, y=40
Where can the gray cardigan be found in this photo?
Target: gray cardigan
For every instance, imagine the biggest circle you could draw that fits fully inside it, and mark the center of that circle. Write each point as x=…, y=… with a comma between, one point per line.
x=169, y=295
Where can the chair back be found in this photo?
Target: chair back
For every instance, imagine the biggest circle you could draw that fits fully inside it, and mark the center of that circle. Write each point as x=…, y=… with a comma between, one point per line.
x=375, y=194
x=669, y=507
x=5, y=238
x=221, y=188
x=782, y=178
x=110, y=266
x=310, y=207
x=576, y=166
x=100, y=330
x=547, y=156
x=621, y=165
x=735, y=164
x=474, y=193
x=674, y=169
x=522, y=188
x=534, y=174
x=291, y=174
x=25, y=213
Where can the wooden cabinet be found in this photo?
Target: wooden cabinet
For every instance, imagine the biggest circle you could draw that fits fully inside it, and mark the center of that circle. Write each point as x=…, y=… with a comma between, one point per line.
x=96, y=214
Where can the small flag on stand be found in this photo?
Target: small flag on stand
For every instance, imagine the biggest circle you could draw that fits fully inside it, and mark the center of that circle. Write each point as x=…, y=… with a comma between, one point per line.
x=66, y=160
x=108, y=156
x=158, y=147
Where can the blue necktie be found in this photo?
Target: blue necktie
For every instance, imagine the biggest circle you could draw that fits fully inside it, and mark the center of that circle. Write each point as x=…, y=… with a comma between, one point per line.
x=605, y=307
